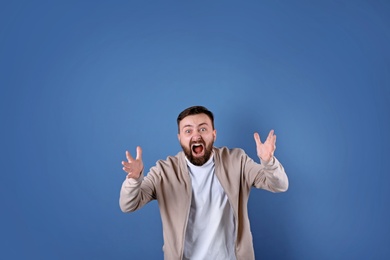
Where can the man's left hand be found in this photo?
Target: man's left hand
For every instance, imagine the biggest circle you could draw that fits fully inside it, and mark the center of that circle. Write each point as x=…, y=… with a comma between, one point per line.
x=265, y=150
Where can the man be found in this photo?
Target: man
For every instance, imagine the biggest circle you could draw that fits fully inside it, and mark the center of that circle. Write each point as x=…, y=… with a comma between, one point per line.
x=203, y=191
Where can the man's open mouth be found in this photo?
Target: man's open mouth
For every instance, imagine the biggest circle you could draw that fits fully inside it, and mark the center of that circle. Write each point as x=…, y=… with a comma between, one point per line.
x=197, y=149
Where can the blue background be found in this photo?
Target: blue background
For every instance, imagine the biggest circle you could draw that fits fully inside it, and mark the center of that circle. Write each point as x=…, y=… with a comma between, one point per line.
x=81, y=82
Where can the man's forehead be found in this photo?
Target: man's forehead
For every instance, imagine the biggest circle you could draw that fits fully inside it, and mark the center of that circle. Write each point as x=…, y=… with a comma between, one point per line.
x=195, y=120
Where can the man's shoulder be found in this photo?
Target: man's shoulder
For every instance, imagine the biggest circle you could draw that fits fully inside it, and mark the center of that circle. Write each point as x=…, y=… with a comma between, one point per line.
x=229, y=152
x=170, y=161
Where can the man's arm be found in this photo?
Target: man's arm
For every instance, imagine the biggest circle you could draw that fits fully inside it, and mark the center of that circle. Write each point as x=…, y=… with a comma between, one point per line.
x=271, y=176
x=135, y=191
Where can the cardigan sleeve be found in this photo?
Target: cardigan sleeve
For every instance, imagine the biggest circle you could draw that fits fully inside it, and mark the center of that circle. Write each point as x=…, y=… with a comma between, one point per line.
x=269, y=176
x=135, y=193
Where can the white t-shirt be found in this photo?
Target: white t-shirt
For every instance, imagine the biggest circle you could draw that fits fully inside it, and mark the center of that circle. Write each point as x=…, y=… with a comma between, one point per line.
x=210, y=229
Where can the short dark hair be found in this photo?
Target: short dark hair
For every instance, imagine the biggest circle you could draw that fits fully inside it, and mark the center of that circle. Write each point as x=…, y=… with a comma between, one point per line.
x=195, y=110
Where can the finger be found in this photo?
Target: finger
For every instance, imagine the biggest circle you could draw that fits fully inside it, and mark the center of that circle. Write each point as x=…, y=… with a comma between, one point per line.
x=127, y=170
x=126, y=164
x=271, y=134
x=139, y=153
x=257, y=138
x=270, y=137
x=129, y=157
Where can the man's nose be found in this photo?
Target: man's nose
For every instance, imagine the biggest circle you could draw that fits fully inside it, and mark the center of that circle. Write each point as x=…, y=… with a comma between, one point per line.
x=196, y=136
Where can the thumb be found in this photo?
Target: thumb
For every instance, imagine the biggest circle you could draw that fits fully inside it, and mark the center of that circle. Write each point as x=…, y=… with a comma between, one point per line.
x=139, y=153
x=257, y=138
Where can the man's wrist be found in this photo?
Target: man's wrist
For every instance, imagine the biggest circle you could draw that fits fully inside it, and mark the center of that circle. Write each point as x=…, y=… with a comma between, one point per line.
x=270, y=161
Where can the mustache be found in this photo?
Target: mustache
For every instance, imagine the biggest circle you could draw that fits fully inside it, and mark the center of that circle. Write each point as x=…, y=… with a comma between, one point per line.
x=200, y=141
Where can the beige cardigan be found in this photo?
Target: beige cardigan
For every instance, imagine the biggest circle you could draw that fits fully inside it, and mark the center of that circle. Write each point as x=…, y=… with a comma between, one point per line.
x=170, y=183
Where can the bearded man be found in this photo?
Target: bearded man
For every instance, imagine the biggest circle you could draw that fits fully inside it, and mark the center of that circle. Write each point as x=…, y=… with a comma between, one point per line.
x=203, y=191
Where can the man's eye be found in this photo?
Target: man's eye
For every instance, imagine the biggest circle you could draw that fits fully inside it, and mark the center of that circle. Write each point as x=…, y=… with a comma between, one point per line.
x=203, y=129
x=187, y=131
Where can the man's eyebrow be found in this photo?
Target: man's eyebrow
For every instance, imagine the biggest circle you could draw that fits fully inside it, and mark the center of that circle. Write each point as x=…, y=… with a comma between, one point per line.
x=201, y=124
x=187, y=126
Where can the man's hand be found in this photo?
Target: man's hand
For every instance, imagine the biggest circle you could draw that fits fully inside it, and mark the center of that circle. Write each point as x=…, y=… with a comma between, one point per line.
x=133, y=167
x=266, y=150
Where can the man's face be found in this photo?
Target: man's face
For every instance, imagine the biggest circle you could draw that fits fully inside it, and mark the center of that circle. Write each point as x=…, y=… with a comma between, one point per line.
x=196, y=137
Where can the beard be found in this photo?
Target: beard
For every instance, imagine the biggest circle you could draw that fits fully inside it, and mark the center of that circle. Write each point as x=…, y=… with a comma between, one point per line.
x=198, y=161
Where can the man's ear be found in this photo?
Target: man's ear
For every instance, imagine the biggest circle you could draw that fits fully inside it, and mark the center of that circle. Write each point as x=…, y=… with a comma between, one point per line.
x=215, y=134
x=178, y=137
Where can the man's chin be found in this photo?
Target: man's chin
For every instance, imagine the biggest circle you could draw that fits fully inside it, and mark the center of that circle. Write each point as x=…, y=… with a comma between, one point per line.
x=198, y=161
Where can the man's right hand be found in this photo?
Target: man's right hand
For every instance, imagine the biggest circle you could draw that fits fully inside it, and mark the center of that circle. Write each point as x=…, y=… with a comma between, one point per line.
x=133, y=167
